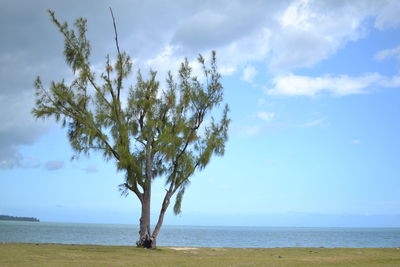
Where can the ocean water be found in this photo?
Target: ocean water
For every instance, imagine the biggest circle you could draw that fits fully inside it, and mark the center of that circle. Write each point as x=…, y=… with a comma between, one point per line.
x=199, y=236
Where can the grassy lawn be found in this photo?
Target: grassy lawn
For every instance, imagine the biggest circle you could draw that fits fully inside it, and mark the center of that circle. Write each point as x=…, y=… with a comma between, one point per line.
x=88, y=255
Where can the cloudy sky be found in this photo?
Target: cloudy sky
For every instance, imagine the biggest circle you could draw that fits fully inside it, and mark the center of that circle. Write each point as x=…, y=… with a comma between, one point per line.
x=314, y=93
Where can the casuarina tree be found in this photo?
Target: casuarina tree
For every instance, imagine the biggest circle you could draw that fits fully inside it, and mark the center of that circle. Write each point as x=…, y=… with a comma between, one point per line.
x=150, y=131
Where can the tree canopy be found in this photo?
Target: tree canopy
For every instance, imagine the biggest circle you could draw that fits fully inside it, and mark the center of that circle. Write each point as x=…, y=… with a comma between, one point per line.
x=150, y=130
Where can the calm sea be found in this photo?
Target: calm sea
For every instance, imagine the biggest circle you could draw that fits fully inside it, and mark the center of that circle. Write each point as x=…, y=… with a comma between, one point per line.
x=199, y=236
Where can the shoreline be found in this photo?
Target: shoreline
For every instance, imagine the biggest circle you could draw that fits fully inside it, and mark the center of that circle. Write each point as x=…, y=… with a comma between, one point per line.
x=188, y=247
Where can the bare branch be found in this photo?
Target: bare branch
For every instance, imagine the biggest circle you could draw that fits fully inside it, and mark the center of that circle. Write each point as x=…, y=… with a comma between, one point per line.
x=119, y=54
x=115, y=31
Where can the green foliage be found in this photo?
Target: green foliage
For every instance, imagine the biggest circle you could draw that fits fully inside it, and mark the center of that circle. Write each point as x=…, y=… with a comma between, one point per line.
x=159, y=133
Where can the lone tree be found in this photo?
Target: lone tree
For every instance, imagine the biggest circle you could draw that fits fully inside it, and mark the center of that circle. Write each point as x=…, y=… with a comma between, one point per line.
x=152, y=133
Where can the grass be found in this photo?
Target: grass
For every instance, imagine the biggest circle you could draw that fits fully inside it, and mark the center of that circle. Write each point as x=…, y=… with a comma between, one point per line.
x=13, y=254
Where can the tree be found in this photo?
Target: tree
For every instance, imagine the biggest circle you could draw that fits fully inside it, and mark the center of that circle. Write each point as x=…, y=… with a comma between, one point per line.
x=154, y=133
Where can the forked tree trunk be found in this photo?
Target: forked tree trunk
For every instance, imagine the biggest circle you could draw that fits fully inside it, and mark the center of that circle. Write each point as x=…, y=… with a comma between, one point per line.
x=148, y=240
x=145, y=239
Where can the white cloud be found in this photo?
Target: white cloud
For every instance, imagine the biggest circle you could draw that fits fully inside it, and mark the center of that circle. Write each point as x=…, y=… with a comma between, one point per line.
x=296, y=85
x=169, y=60
x=164, y=61
x=251, y=48
x=249, y=73
x=265, y=116
x=295, y=15
x=53, y=165
x=284, y=35
x=311, y=31
x=384, y=54
x=227, y=70
x=387, y=14
x=231, y=56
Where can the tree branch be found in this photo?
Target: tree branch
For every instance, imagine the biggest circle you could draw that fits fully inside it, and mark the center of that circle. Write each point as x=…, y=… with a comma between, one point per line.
x=119, y=80
x=164, y=207
x=135, y=190
x=69, y=113
x=97, y=89
x=115, y=31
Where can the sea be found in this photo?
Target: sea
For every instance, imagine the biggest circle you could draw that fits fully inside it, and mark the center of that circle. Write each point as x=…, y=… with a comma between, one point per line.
x=199, y=236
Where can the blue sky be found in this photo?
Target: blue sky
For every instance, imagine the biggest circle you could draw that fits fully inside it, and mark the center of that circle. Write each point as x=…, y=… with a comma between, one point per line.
x=314, y=93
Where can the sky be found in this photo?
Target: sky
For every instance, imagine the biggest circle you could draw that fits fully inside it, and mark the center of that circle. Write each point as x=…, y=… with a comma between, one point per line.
x=313, y=88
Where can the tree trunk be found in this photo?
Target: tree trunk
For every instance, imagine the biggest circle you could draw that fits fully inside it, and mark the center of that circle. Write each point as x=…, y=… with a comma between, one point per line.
x=162, y=213
x=145, y=239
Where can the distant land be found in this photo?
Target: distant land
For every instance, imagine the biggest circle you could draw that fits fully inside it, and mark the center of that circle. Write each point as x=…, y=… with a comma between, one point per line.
x=12, y=218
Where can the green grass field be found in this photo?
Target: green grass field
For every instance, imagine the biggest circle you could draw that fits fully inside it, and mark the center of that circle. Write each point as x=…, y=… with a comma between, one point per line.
x=12, y=254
